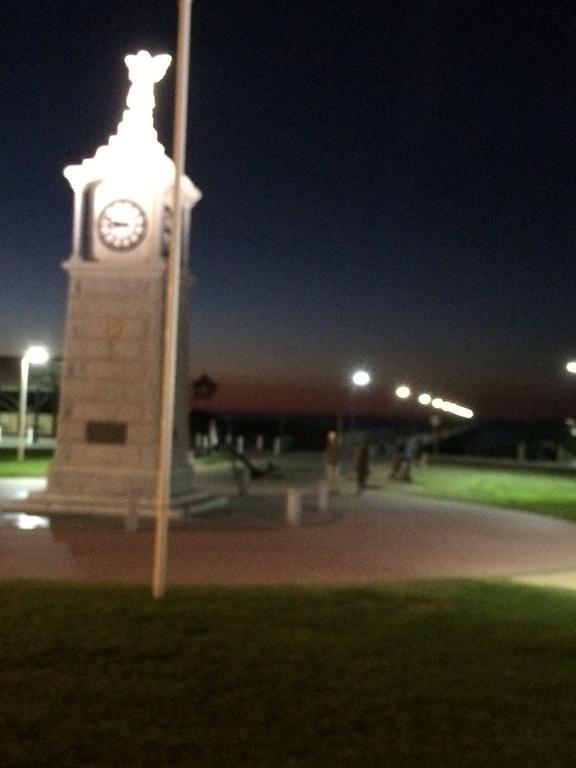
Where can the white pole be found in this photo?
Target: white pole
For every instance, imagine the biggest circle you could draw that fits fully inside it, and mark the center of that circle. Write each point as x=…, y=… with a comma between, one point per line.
x=24, y=369
x=172, y=305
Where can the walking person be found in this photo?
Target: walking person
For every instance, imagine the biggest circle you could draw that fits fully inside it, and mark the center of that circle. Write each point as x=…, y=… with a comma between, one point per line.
x=408, y=460
x=362, y=467
x=397, y=468
x=332, y=458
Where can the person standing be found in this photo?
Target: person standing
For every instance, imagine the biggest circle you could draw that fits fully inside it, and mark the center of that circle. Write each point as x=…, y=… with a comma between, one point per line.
x=397, y=467
x=362, y=467
x=408, y=460
x=332, y=459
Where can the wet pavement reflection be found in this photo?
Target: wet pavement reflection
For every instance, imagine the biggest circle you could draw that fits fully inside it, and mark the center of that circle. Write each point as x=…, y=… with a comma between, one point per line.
x=23, y=521
x=20, y=488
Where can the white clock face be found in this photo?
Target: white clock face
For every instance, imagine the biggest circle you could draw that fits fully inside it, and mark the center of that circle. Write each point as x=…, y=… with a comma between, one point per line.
x=122, y=225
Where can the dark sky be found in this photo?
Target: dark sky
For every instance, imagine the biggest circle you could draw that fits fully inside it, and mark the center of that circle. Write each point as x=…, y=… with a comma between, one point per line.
x=388, y=183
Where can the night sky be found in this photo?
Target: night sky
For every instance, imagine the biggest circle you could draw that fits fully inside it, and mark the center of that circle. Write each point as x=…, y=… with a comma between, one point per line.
x=387, y=183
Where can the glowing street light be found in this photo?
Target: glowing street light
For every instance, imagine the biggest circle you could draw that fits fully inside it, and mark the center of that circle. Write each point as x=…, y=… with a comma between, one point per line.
x=457, y=410
x=33, y=356
x=361, y=378
x=404, y=392
x=571, y=366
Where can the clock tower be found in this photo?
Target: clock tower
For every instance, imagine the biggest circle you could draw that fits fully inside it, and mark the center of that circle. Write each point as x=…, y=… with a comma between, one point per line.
x=107, y=454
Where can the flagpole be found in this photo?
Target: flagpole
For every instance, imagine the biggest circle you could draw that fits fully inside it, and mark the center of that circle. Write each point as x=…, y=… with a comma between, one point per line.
x=171, y=307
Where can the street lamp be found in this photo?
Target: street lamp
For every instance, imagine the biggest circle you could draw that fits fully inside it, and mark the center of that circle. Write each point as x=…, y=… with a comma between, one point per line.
x=571, y=367
x=403, y=392
x=359, y=378
x=33, y=356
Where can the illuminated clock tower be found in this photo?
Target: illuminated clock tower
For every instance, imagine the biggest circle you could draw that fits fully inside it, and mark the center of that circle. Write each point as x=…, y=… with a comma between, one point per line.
x=106, y=459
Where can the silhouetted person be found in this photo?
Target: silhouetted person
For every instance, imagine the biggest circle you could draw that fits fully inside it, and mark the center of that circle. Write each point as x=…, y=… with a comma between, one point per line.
x=362, y=467
x=397, y=462
x=408, y=460
x=403, y=461
x=332, y=458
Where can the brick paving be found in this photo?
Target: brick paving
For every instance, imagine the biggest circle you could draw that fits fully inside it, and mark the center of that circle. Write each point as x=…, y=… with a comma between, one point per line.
x=375, y=538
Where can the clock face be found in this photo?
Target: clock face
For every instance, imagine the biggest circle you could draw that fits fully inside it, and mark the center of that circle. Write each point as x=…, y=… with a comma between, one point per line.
x=122, y=225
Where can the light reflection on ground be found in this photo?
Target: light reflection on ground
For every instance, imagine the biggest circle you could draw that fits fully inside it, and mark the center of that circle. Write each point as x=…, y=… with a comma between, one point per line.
x=20, y=487
x=23, y=521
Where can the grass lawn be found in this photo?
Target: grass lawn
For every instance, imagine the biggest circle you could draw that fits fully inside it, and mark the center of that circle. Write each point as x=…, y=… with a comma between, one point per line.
x=428, y=675
x=532, y=491
x=35, y=464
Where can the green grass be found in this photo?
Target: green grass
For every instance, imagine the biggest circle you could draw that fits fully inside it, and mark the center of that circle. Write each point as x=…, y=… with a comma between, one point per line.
x=425, y=675
x=37, y=462
x=534, y=492
x=34, y=465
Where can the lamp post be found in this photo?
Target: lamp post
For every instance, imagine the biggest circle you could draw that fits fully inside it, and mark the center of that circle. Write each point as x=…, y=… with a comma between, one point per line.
x=33, y=356
x=360, y=378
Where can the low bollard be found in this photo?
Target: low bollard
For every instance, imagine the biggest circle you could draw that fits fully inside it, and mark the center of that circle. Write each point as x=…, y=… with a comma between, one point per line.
x=323, y=496
x=242, y=478
x=293, y=507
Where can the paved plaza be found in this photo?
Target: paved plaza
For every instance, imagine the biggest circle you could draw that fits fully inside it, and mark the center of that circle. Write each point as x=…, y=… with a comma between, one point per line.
x=377, y=537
